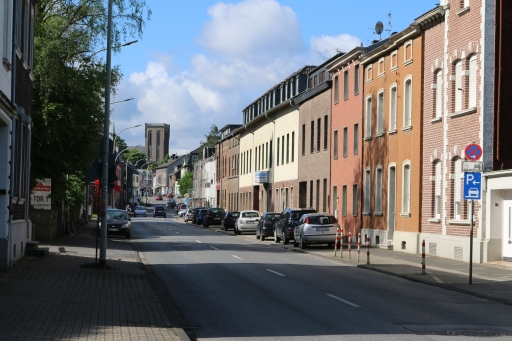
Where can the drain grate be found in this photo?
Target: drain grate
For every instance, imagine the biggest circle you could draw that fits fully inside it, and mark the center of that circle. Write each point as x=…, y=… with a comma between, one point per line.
x=477, y=333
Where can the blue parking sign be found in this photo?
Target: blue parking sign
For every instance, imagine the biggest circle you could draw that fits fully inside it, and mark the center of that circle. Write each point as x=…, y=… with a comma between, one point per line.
x=472, y=186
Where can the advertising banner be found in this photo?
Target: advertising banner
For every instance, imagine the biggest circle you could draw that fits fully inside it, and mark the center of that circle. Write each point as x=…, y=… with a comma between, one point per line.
x=40, y=196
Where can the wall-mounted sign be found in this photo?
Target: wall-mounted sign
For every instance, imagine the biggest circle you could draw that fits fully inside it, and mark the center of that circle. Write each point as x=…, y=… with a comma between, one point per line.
x=40, y=195
x=261, y=177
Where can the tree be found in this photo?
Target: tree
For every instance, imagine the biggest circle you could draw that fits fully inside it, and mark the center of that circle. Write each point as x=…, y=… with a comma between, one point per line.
x=69, y=85
x=135, y=157
x=186, y=182
x=212, y=137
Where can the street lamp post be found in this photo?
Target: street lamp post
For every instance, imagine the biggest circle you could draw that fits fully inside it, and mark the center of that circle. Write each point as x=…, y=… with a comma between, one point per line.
x=117, y=135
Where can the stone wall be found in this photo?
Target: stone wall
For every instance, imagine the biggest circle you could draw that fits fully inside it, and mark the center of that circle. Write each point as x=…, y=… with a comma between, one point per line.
x=45, y=224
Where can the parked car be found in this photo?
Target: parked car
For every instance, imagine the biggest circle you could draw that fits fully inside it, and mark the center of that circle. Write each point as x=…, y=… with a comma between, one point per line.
x=229, y=220
x=159, y=211
x=288, y=219
x=188, y=215
x=140, y=211
x=201, y=214
x=196, y=210
x=315, y=228
x=159, y=197
x=265, y=227
x=213, y=216
x=182, y=207
x=118, y=223
x=247, y=221
x=170, y=203
x=170, y=195
x=181, y=213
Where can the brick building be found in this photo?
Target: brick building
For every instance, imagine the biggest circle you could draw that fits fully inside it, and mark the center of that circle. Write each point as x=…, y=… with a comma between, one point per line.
x=157, y=140
x=227, y=153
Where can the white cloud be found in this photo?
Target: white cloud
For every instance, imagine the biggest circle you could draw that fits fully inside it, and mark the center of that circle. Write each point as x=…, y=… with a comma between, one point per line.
x=326, y=47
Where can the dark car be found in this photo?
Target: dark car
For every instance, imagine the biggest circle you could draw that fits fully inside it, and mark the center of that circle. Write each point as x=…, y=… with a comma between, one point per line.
x=265, y=227
x=229, y=220
x=118, y=223
x=201, y=214
x=196, y=210
x=170, y=203
x=159, y=211
x=213, y=216
x=288, y=219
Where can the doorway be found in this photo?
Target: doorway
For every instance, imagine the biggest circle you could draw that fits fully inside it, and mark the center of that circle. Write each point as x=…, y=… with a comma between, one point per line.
x=507, y=231
x=391, y=202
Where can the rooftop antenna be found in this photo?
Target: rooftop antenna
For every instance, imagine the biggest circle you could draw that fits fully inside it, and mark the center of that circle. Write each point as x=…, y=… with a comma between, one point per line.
x=389, y=24
x=379, y=27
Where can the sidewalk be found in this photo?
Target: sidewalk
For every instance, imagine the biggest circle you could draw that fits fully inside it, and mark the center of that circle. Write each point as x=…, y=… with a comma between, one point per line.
x=54, y=298
x=491, y=281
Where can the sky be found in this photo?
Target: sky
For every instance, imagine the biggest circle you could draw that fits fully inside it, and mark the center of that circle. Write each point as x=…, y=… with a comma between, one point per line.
x=201, y=62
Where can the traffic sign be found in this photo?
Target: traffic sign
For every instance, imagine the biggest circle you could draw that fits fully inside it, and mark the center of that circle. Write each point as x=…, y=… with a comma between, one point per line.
x=186, y=201
x=186, y=195
x=473, y=152
x=472, y=186
x=470, y=166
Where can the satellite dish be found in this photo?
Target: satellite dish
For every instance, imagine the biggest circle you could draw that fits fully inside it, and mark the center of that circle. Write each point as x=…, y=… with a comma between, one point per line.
x=379, y=28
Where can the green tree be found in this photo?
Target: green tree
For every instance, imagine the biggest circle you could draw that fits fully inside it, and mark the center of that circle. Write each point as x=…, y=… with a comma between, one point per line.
x=186, y=182
x=69, y=86
x=135, y=157
x=212, y=137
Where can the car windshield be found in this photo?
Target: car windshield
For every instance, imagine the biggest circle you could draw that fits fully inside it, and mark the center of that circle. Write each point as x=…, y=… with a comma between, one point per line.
x=116, y=215
x=271, y=217
x=159, y=208
x=140, y=208
x=250, y=215
x=298, y=214
x=321, y=220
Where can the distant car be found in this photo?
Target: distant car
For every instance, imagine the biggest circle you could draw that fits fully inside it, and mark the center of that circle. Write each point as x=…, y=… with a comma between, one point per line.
x=247, y=221
x=213, y=216
x=170, y=195
x=170, y=203
x=196, y=211
x=200, y=216
x=140, y=211
x=159, y=211
x=229, y=220
x=159, y=197
x=265, y=227
x=288, y=219
x=182, y=207
x=181, y=213
x=118, y=223
x=188, y=215
x=315, y=228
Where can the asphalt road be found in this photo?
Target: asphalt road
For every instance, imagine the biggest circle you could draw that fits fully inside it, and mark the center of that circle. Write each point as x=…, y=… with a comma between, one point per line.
x=234, y=288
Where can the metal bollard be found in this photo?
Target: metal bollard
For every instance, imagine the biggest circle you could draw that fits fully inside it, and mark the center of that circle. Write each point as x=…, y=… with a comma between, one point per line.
x=341, y=240
x=423, y=272
x=349, y=245
x=367, y=250
x=358, y=245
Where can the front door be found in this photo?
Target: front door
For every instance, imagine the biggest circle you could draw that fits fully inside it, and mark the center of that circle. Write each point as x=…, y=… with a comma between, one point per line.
x=507, y=230
x=391, y=202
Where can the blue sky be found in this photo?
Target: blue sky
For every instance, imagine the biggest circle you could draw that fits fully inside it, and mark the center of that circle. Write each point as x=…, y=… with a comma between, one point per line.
x=201, y=62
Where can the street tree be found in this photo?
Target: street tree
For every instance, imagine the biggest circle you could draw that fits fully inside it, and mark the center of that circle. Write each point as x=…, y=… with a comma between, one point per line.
x=186, y=182
x=212, y=137
x=135, y=157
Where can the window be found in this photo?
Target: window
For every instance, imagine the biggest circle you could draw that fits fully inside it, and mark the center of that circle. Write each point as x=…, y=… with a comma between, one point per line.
x=315, y=81
x=310, y=83
x=457, y=182
x=393, y=60
x=458, y=86
x=378, y=190
x=278, y=151
x=466, y=3
x=408, y=52
x=335, y=200
x=326, y=130
x=472, y=82
x=356, y=139
x=368, y=117
x=250, y=157
x=19, y=4
x=293, y=146
x=336, y=90
x=367, y=184
x=408, y=103
x=381, y=67
x=287, y=148
x=7, y=32
x=270, y=155
x=437, y=190
x=356, y=80
x=380, y=113
x=303, y=139
x=369, y=73
x=266, y=155
x=392, y=109
x=282, y=150
x=335, y=145
x=345, y=142
x=312, y=136
x=344, y=201
x=322, y=77
x=318, y=135
x=311, y=193
x=406, y=189
x=439, y=94
x=345, y=85
x=355, y=200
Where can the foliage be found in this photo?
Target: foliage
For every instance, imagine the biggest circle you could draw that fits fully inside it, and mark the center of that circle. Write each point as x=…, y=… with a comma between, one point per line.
x=120, y=143
x=212, y=137
x=69, y=86
x=75, y=195
x=135, y=157
x=186, y=182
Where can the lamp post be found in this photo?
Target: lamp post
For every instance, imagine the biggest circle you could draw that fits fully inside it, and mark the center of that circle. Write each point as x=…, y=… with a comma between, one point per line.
x=117, y=135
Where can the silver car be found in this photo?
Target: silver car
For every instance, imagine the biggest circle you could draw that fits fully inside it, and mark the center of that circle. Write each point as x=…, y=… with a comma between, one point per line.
x=140, y=211
x=315, y=228
x=188, y=215
x=247, y=221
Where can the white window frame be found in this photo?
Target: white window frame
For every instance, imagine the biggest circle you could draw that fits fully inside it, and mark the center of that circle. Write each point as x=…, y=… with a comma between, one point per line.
x=439, y=93
x=391, y=65
x=378, y=189
x=406, y=187
x=458, y=86
x=393, y=100
x=367, y=190
x=407, y=116
x=437, y=189
x=369, y=73
x=382, y=70
x=7, y=34
x=368, y=117
x=472, y=83
x=380, y=113
x=408, y=60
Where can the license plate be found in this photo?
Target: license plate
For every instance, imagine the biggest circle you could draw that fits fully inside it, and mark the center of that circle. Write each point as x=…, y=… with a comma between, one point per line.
x=113, y=229
x=217, y=218
x=322, y=229
x=250, y=221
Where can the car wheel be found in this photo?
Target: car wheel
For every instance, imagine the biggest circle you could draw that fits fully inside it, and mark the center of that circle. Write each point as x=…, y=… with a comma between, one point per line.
x=222, y=226
x=234, y=229
x=262, y=237
x=146, y=215
x=276, y=237
x=205, y=224
x=128, y=235
x=286, y=240
x=257, y=235
x=302, y=243
x=295, y=244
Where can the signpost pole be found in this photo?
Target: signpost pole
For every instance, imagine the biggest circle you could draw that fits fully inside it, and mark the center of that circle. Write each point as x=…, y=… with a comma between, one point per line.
x=472, y=206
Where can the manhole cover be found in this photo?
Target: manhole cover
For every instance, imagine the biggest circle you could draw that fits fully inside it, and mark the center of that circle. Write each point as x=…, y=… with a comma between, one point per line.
x=477, y=333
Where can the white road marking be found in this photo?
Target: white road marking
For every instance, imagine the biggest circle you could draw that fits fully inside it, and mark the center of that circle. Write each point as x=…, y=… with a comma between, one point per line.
x=236, y=257
x=213, y=247
x=344, y=301
x=198, y=241
x=437, y=279
x=275, y=272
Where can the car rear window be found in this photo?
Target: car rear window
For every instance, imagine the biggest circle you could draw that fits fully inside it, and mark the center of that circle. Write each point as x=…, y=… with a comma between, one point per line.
x=116, y=215
x=322, y=220
x=270, y=217
x=217, y=211
x=234, y=214
x=140, y=208
x=297, y=214
x=250, y=215
x=159, y=208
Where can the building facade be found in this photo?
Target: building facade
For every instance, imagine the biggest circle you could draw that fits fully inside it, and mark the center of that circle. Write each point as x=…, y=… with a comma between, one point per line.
x=157, y=141
x=228, y=156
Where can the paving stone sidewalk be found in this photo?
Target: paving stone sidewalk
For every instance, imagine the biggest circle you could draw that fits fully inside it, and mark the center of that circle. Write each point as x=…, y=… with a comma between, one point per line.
x=54, y=298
